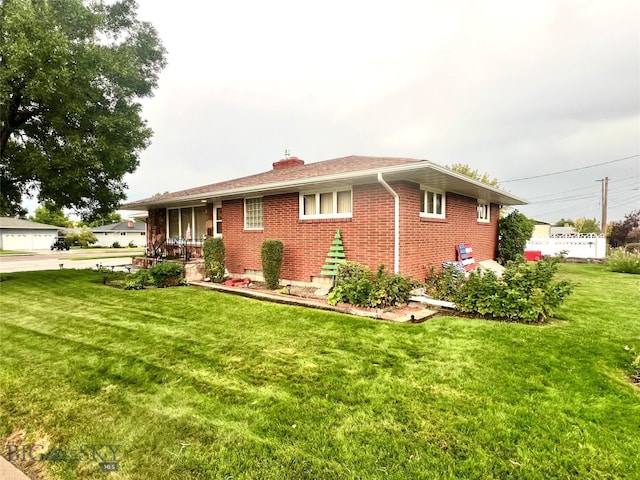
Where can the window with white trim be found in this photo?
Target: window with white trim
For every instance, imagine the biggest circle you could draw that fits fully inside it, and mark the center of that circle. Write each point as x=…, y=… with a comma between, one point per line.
x=433, y=203
x=253, y=213
x=173, y=223
x=187, y=223
x=484, y=211
x=331, y=204
x=217, y=221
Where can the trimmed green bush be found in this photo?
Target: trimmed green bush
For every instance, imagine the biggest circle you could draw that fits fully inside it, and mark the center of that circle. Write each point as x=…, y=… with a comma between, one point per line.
x=116, y=244
x=166, y=274
x=525, y=293
x=137, y=281
x=84, y=238
x=133, y=284
x=444, y=284
x=357, y=285
x=131, y=244
x=353, y=285
x=144, y=277
x=272, y=252
x=213, y=251
x=391, y=289
x=513, y=232
x=622, y=261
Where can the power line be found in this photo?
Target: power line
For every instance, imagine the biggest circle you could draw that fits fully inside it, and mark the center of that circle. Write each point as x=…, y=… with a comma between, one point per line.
x=621, y=185
x=571, y=169
x=565, y=199
x=583, y=206
x=582, y=196
x=627, y=202
x=535, y=199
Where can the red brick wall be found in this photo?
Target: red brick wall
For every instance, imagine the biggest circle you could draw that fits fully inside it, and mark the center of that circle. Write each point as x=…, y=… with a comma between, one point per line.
x=425, y=241
x=367, y=237
x=156, y=227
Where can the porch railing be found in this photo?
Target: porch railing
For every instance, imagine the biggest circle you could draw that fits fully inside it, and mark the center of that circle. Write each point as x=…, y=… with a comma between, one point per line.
x=183, y=249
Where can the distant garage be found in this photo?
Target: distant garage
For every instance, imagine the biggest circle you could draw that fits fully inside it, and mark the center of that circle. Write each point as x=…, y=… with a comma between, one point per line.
x=19, y=234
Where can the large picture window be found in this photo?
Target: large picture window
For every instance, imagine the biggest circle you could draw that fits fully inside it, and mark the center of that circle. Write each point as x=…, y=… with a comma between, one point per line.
x=187, y=223
x=253, y=214
x=173, y=223
x=433, y=203
x=331, y=204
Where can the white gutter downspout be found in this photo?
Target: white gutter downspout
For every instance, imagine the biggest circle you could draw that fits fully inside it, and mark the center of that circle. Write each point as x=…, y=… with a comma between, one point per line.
x=396, y=224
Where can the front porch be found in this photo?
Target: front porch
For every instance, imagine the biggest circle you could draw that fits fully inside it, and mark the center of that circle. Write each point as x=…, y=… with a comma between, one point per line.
x=187, y=253
x=175, y=249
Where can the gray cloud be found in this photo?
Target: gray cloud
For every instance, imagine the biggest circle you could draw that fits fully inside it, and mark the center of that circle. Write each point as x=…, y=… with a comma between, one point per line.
x=511, y=88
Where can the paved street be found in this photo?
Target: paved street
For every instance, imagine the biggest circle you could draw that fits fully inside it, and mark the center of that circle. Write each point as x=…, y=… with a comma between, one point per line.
x=47, y=260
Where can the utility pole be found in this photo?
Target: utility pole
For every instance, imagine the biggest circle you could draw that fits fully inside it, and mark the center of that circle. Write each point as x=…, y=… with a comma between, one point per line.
x=605, y=197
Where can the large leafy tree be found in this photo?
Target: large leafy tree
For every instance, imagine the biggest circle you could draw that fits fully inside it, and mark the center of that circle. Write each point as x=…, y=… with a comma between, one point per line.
x=587, y=225
x=625, y=231
x=565, y=223
x=106, y=219
x=514, y=231
x=83, y=237
x=465, y=169
x=72, y=74
x=51, y=215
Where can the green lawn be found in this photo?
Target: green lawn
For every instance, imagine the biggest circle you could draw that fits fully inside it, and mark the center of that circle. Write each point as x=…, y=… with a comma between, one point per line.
x=197, y=384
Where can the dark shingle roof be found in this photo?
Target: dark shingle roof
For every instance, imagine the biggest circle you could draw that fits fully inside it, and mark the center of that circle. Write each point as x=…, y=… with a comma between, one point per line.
x=121, y=227
x=10, y=222
x=353, y=163
x=344, y=169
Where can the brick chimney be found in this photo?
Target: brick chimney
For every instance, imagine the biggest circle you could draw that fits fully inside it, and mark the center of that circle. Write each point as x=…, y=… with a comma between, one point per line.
x=287, y=162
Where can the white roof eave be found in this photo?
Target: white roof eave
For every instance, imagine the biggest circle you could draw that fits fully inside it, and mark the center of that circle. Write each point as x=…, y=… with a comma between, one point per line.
x=397, y=172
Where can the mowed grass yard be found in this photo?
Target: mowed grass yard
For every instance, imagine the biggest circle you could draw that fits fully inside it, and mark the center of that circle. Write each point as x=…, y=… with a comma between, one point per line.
x=196, y=384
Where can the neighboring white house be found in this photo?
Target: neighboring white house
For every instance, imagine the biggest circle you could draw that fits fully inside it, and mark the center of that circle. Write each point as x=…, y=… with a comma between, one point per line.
x=124, y=233
x=19, y=234
x=541, y=230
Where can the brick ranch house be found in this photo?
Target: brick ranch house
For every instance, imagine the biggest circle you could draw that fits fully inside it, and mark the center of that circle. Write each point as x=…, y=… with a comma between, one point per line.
x=404, y=213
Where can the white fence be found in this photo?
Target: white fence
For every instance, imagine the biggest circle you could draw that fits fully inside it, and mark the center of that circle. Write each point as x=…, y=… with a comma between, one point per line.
x=585, y=245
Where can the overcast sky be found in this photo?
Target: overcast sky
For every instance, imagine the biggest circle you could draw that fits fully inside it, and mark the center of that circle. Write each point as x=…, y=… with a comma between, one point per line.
x=513, y=88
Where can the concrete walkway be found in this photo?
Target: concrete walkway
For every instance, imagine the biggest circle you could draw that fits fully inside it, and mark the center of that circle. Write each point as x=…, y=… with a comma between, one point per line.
x=47, y=260
x=8, y=471
x=401, y=315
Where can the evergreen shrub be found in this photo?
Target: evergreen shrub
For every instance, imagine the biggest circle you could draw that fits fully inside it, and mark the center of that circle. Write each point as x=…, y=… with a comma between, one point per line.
x=272, y=253
x=166, y=274
x=213, y=251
